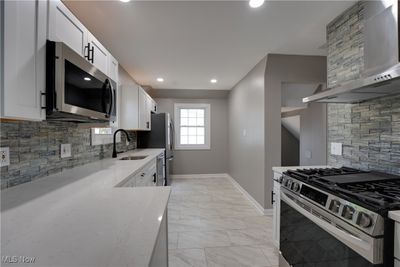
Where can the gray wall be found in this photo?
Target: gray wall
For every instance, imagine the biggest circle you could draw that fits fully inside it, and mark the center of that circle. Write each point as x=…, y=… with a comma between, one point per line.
x=369, y=132
x=246, y=132
x=290, y=148
x=203, y=161
x=313, y=135
x=283, y=69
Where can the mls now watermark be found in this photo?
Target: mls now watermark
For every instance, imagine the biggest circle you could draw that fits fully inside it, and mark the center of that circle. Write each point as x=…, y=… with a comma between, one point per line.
x=17, y=259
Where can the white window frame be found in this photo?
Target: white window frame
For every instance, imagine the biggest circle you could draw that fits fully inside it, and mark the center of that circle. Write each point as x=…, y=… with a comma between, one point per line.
x=207, y=125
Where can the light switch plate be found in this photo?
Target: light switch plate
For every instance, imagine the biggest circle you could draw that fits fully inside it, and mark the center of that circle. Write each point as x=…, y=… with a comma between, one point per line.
x=336, y=149
x=65, y=150
x=4, y=156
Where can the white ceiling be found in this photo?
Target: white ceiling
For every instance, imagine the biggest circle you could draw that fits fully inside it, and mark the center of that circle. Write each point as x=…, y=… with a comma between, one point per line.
x=189, y=42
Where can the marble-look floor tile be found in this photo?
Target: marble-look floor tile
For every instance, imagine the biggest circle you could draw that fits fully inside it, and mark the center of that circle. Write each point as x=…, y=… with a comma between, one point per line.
x=187, y=258
x=239, y=256
x=270, y=252
x=212, y=224
x=248, y=236
x=203, y=239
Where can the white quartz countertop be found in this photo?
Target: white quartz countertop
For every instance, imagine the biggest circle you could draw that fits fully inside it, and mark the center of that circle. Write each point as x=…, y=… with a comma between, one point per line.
x=395, y=215
x=79, y=218
x=283, y=169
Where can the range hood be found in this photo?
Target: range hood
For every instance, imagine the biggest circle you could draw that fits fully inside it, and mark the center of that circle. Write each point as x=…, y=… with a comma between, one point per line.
x=381, y=75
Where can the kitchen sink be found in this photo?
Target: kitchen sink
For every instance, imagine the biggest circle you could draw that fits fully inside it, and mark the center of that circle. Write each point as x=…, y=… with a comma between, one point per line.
x=133, y=158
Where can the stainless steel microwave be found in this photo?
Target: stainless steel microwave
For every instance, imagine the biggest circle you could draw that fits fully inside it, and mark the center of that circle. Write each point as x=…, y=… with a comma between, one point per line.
x=75, y=89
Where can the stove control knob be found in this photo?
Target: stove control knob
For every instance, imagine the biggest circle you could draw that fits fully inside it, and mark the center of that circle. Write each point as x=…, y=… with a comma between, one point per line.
x=295, y=187
x=364, y=220
x=287, y=183
x=348, y=212
x=335, y=206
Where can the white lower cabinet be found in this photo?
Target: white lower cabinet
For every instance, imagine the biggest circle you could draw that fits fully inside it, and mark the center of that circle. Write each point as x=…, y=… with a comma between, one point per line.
x=276, y=209
x=23, y=44
x=146, y=176
x=160, y=252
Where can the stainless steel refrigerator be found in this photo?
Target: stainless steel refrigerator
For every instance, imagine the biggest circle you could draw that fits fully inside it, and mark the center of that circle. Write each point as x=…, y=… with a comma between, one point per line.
x=160, y=136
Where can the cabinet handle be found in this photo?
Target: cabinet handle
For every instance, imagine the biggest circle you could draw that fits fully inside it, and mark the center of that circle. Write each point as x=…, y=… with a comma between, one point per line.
x=42, y=94
x=154, y=178
x=90, y=53
x=272, y=197
x=147, y=125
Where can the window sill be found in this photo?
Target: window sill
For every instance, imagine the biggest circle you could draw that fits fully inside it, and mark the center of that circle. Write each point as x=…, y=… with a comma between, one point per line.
x=192, y=148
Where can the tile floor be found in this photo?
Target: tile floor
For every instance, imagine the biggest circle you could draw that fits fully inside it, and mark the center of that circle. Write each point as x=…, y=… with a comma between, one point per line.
x=210, y=223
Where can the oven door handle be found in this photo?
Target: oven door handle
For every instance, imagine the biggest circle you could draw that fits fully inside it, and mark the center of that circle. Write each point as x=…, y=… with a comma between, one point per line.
x=370, y=249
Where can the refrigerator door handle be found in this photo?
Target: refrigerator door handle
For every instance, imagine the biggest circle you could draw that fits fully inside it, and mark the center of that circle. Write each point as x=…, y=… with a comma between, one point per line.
x=172, y=136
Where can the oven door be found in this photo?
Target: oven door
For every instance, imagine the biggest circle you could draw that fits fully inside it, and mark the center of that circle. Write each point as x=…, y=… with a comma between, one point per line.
x=311, y=237
x=81, y=88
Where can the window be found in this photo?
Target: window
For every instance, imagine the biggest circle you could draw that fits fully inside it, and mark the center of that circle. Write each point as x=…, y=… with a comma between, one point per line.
x=103, y=136
x=192, y=124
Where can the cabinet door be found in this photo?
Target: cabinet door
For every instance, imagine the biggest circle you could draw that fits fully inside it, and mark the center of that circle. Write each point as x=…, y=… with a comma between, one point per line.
x=65, y=27
x=113, y=68
x=100, y=55
x=129, y=109
x=144, y=110
x=154, y=106
x=25, y=24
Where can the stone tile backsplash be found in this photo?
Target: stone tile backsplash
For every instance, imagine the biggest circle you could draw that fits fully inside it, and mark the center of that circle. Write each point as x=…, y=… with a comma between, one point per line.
x=35, y=149
x=370, y=133
x=346, y=46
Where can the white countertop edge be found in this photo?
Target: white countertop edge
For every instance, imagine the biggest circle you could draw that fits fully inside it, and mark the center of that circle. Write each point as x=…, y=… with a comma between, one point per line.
x=395, y=215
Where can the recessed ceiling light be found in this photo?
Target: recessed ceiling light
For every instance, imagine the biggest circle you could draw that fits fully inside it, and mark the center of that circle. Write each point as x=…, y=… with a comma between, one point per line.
x=125, y=1
x=87, y=79
x=160, y=80
x=213, y=81
x=256, y=3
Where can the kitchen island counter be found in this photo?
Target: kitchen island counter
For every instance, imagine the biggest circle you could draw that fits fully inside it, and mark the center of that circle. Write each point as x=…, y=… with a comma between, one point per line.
x=80, y=218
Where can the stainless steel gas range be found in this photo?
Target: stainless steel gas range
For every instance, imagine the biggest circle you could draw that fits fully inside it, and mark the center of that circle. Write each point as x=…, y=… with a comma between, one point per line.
x=337, y=217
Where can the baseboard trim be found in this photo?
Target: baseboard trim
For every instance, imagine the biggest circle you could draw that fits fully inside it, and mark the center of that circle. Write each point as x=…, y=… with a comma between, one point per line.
x=257, y=205
x=195, y=176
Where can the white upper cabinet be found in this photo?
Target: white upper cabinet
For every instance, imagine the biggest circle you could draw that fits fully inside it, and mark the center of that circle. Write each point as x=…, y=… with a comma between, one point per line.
x=129, y=108
x=24, y=50
x=65, y=27
x=98, y=54
x=144, y=110
x=113, y=68
x=136, y=106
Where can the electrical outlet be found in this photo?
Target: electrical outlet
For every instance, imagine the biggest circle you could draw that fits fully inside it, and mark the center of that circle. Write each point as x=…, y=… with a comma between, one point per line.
x=308, y=154
x=4, y=156
x=65, y=150
x=336, y=149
